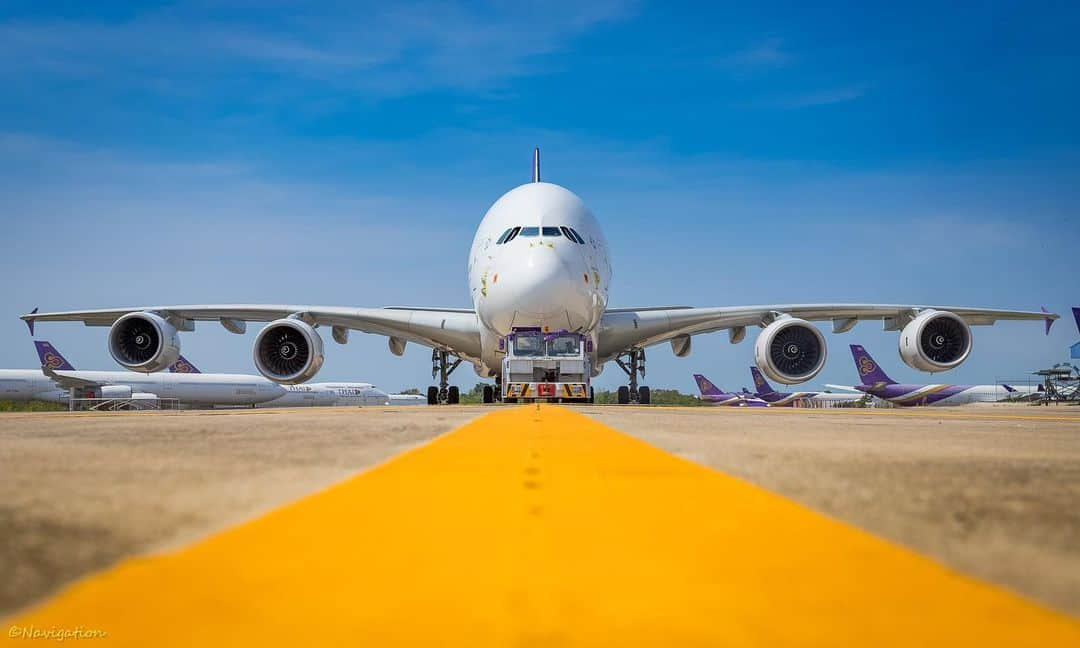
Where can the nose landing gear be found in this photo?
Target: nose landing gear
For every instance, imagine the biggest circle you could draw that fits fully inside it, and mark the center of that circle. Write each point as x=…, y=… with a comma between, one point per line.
x=445, y=393
x=633, y=365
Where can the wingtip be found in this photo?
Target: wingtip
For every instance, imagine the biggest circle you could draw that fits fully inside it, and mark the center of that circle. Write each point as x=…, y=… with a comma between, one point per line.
x=1048, y=321
x=29, y=319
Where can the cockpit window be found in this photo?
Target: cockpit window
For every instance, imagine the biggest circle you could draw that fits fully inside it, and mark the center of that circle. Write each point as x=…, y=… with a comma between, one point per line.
x=572, y=234
x=551, y=231
x=508, y=235
x=530, y=231
x=564, y=345
x=528, y=344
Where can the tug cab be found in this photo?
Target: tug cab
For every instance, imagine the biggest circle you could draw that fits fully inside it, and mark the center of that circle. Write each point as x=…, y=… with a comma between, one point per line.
x=548, y=366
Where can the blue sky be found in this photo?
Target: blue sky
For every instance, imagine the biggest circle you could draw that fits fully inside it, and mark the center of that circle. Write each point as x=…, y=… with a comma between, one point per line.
x=280, y=152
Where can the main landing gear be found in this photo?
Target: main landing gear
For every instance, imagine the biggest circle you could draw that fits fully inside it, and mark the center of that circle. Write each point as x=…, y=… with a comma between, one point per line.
x=445, y=393
x=633, y=365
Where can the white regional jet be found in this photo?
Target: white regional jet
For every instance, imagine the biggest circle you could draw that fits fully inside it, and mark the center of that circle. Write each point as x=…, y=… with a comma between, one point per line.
x=539, y=260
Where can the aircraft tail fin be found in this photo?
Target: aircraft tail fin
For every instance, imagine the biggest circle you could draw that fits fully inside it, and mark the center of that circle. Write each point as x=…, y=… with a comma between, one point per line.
x=536, y=165
x=762, y=385
x=1076, y=316
x=184, y=366
x=1008, y=388
x=706, y=387
x=51, y=358
x=869, y=371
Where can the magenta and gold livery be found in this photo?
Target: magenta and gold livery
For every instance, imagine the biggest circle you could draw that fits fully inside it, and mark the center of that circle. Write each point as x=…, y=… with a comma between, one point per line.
x=713, y=394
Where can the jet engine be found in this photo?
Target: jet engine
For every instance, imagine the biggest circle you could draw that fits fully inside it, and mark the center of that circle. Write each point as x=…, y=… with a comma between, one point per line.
x=790, y=350
x=935, y=341
x=288, y=351
x=144, y=342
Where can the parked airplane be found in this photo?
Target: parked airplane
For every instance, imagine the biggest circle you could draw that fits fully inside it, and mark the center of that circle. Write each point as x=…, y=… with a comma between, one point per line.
x=876, y=383
x=765, y=392
x=538, y=259
x=57, y=378
x=316, y=394
x=713, y=394
x=57, y=381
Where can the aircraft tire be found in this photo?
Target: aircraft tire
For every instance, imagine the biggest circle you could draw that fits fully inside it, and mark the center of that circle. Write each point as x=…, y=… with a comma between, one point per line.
x=623, y=395
x=432, y=395
x=644, y=396
x=453, y=395
x=489, y=394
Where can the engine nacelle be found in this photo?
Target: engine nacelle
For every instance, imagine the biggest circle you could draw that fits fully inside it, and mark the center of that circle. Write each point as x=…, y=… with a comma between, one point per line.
x=935, y=341
x=790, y=351
x=144, y=342
x=288, y=351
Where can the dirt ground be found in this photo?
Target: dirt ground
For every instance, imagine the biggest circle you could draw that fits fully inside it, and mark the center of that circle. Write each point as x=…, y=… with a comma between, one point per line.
x=80, y=491
x=990, y=491
x=986, y=489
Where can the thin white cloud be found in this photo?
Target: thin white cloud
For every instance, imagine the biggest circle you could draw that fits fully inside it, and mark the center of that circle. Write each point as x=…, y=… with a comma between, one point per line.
x=766, y=53
x=385, y=49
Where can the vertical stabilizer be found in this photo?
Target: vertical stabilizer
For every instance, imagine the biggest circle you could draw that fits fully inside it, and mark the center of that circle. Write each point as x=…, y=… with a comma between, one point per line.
x=706, y=387
x=536, y=164
x=182, y=365
x=869, y=371
x=51, y=358
x=760, y=384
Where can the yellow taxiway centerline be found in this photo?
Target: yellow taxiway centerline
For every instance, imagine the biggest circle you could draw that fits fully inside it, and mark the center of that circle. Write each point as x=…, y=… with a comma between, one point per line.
x=539, y=526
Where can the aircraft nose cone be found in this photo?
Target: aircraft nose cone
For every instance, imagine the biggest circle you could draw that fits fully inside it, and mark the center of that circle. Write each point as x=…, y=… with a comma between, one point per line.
x=545, y=283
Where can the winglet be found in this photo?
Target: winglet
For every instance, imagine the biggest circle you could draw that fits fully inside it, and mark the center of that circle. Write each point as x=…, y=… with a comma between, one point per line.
x=51, y=358
x=183, y=365
x=1050, y=321
x=30, y=321
x=1076, y=316
x=536, y=165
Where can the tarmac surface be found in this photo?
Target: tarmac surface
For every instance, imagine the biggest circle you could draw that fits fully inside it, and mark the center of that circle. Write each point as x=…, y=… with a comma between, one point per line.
x=993, y=492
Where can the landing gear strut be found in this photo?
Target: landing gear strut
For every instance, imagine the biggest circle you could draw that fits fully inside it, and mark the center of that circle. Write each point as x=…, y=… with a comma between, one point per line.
x=633, y=365
x=444, y=394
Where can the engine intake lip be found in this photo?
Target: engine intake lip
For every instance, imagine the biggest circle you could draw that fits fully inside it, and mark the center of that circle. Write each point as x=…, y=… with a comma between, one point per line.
x=288, y=351
x=135, y=341
x=944, y=340
x=795, y=350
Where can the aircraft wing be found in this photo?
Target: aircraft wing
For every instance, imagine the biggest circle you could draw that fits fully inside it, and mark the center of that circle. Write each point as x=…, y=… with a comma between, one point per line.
x=844, y=387
x=454, y=330
x=68, y=382
x=623, y=329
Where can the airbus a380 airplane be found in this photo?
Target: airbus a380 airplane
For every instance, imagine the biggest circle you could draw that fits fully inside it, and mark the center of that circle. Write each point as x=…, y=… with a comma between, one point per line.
x=538, y=259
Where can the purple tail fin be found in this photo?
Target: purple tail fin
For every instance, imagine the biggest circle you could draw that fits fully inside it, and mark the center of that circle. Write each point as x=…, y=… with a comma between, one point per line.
x=182, y=365
x=1008, y=388
x=51, y=358
x=762, y=385
x=869, y=371
x=1076, y=316
x=706, y=387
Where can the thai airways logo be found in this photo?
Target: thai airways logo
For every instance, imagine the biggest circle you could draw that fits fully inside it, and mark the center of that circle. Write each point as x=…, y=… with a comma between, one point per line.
x=758, y=380
x=866, y=366
x=53, y=361
x=182, y=366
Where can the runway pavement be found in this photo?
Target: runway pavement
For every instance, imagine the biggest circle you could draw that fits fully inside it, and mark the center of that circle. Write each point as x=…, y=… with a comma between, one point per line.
x=541, y=526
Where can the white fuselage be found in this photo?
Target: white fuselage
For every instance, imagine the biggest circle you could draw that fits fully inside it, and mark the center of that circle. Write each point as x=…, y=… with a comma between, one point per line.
x=543, y=277
x=330, y=395
x=197, y=389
